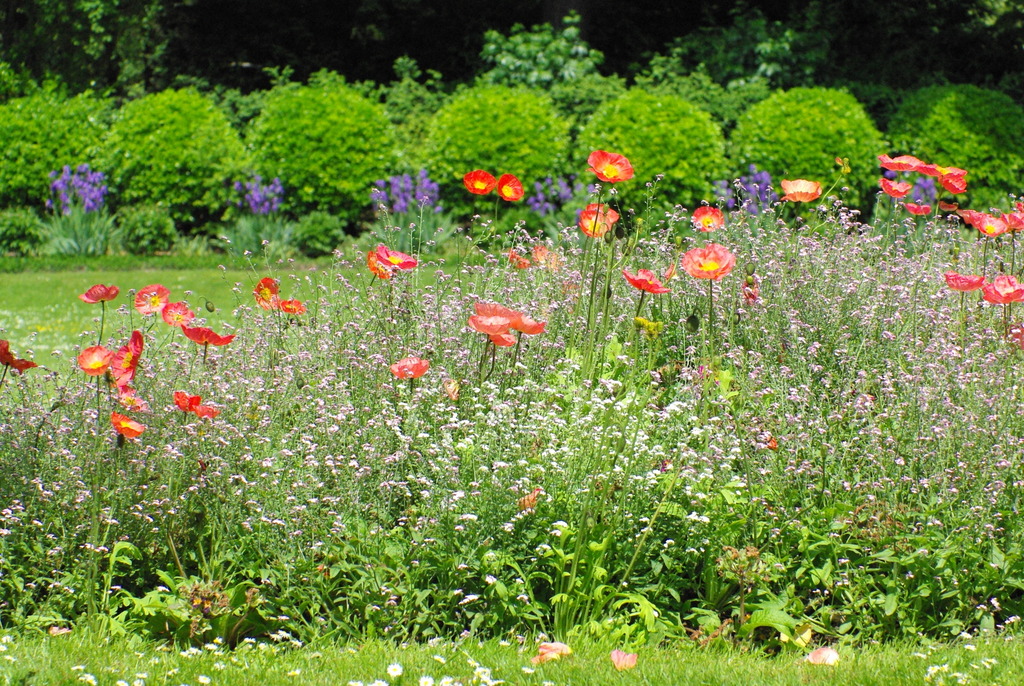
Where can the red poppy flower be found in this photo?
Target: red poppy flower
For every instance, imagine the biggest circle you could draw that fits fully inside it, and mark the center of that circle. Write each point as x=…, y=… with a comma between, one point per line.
x=800, y=190
x=543, y=256
x=95, y=361
x=479, y=182
x=129, y=428
x=597, y=219
x=410, y=368
x=526, y=325
x=266, y=293
x=517, y=260
x=99, y=293
x=177, y=314
x=645, y=280
x=895, y=189
x=948, y=206
x=954, y=181
x=126, y=360
x=1014, y=220
x=711, y=262
x=151, y=299
x=609, y=166
x=394, y=259
x=503, y=340
x=492, y=325
x=292, y=306
x=963, y=282
x=901, y=163
x=8, y=359
x=205, y=336
x=1003, y=290
x=751, y=290
x=917, y=209
x=494, y=310
x=130, y=400
x=707, y=218
x=378, y=269
x=989, y=225
x=186, y=402
x=510, y=188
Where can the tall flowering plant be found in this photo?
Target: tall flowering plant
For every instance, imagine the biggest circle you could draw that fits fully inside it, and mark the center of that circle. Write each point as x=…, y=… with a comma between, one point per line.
x=80, y=223
x=411, y=211
x=261, y=226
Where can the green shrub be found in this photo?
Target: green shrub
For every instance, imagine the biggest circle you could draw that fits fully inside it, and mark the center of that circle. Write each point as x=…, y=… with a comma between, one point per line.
x=21, y=231
x=799, y=133
x=175, y=148
x=726, y=104
x=318, y=233
x=41, y=133
x=660, y=134
x=499, y=129
x=325, y=142
x=146, y=229
x=409, y=103
x=964, y=126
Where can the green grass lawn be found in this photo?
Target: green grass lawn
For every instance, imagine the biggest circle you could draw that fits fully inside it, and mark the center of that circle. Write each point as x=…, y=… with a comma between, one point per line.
x=40, y=311
x=84, y=658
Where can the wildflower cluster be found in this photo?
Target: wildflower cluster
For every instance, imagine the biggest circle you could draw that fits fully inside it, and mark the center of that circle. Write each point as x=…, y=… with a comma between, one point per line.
x=82, y=187
x=752, y=192
x=261, y=199
x=552, y=194
x=401, y=194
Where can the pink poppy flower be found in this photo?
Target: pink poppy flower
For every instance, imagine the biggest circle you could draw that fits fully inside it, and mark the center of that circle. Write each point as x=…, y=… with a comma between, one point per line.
x=1003, y=290
x=645, y=280
x=394, y=259
x=920, y=210
x=177, y=314
x=410, y=368
x=800, y=190
x=623, y=660
x=963, y=282
x=895, y=189
x=151, y=299
x=707, y=218
x=711, y=262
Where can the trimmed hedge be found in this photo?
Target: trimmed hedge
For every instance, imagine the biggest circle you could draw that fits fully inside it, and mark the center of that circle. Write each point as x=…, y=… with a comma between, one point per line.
x=660, y=134
x=965, y=126
x=799, y=133
x=327, y=144
x=174, y=148
x=498, y=129
x=42, y=133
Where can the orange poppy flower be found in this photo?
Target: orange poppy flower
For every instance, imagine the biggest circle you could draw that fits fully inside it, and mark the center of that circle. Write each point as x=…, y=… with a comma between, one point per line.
x=126, y=360
x=711, y=262
x=205, y=336
x=800, y=190
x=1014, y=220
x=95, y=361
x=707, y=218
x=622, y=660
x=609, y=166
x=528, y=503
x=99, y=293
x=177, y=314
x=378, y=269
x=901, y=163
x=645, y=280
x=479, y=182
x=292, y=306
x=544, y=256
x=503, y=340
x=193, y=404
x=954, y=181
x=597, y=219
x=410, y=368
x=151, y=299
x=989, y=225
x=919, y=210
x=948, y=206
x=517, y=260
x=130, y=400
x=895, y=189
x=492, y=325
x=8, y=359
x=1003, y=290
x=452, y=388
x=394, y=259
x=510, y=188
x=526, y=325
x=266, y=293
x=129, y=428
x=494, y=310
x=546, y=652
x=963, y=282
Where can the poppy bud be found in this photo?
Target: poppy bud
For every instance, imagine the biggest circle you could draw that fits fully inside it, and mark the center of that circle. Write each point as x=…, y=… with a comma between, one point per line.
x=737, y=317
x=300, y=382
x=749, y=280
x=609, y=237
x=955, y=251
x=751, y=268
x=620, y=232
x=210, y=306
x=692, y=323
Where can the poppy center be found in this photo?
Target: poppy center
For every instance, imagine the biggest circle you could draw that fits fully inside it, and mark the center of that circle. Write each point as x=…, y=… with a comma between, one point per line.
x=611, y=171
x=709, y=266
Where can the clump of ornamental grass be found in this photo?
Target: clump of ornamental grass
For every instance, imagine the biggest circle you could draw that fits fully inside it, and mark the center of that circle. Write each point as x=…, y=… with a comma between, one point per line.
x=711, y=425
